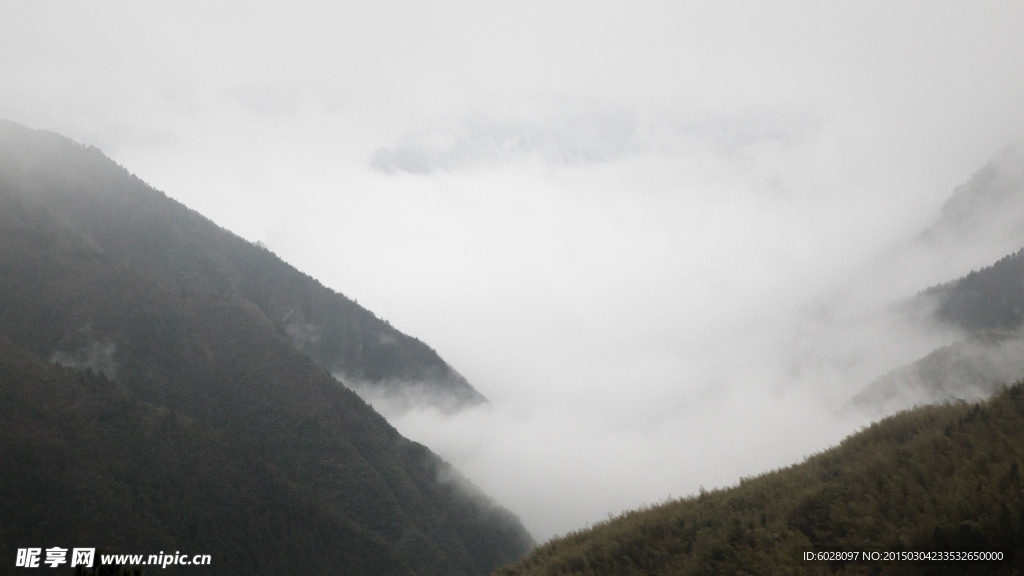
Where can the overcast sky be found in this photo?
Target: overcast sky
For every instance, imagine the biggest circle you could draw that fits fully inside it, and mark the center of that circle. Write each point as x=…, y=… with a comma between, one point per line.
x=648, y=231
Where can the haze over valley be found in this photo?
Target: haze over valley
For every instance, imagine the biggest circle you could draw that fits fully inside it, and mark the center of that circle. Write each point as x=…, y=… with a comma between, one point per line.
x=593, y=255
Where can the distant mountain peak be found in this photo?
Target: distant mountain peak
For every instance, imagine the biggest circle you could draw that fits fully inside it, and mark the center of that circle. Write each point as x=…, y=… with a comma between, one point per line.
x=986, y=209
x=983, y=220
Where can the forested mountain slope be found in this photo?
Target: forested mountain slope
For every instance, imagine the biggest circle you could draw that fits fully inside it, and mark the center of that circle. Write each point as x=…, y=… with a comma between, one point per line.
x=987, y=307
x=988, y=299
x=71, y=192
x=84, y=463
x=940, y=477
x=972, y=369
x=983, y=309
x=152, y=396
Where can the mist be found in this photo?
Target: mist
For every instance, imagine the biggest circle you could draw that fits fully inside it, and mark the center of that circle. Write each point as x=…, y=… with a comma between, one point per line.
x=652, y=372
x=664, y=241
x=664, y=341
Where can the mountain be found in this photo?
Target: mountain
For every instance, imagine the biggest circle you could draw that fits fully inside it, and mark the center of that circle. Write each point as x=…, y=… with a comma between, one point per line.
x=971, y=369
x=167, y=385
x=987, y=307
x=984, y=217
x=988, y=299
x=141, y=230
x=938, y=478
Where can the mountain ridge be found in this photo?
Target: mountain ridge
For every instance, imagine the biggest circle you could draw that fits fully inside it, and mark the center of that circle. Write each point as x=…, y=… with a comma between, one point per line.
x=183, y=247
x=986, y=209
x=140, y=312
x=986, y=306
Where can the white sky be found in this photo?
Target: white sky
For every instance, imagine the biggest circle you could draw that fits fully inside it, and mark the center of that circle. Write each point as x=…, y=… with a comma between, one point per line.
x=644, y=230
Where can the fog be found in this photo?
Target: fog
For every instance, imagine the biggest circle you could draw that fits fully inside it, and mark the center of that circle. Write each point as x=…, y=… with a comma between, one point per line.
x=661, y=239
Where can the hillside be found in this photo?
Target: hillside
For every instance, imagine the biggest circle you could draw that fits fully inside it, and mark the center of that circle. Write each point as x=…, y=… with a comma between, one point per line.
x=167, y=385
x=971, y=369
x=51, y=180
x=80, y=456
x=941, y=477
x=984, y=213
x=987, y=306
x=988, y=299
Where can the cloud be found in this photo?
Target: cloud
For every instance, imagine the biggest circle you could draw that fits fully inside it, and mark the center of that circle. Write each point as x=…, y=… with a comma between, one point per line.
x=641, y=344
x=582, y=136
x=563, y=138
x=654, y=235
x=692, y=313
x=618, y=442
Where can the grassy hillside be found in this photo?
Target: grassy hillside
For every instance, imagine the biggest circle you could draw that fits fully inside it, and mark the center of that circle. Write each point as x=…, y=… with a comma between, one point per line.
x=935, y=478
x=153, y=397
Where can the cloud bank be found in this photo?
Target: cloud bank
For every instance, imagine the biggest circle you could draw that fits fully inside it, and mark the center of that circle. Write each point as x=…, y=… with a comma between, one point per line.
x=656, y=237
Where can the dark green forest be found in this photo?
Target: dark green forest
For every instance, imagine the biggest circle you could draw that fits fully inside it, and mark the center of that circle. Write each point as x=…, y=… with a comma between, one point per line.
x=153, y=395
x=85, y=463
x=988, y=299
x=939, y=477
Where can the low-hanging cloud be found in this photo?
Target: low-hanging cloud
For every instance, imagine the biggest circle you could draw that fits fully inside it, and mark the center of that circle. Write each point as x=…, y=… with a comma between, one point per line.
x=567, y=447
x=563, y=139
x=691, y=313
x=555, y=135
x=686, y=343
x=657, y=236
